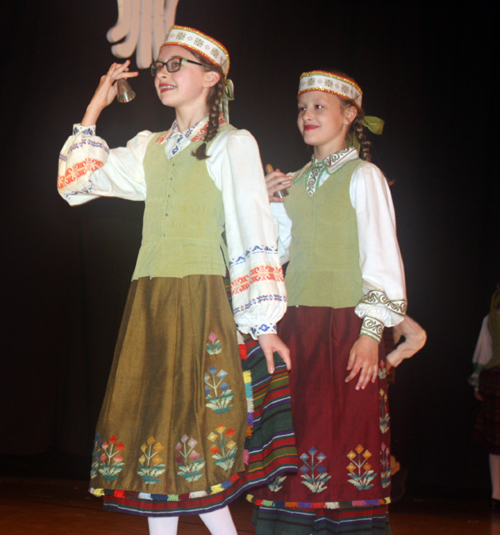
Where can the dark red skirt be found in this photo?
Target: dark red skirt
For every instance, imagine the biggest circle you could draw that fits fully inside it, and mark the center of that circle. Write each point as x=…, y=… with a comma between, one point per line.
x=487, y=428
x=342, y=434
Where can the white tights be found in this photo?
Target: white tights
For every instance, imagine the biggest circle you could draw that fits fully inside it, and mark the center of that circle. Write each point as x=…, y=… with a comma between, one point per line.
x=218, y=522
x=495, y=476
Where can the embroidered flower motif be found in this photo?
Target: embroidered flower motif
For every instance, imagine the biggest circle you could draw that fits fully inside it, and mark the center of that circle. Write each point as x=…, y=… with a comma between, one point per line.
x=360, y=473
x=190, y=462
x=152, y=464
x=382, y=371
x=217, y=391
x=276, y=484
x=385, y=461
x=198, y=42
x=214, y=347
x=384, y=412
x=224, y=448
x=111, y=462
x=95, y=456
x=313, y=472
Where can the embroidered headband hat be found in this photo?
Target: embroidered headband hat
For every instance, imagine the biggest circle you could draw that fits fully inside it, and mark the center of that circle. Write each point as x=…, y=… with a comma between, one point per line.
x=198, y=42
x=345, y=88
x=328, y=82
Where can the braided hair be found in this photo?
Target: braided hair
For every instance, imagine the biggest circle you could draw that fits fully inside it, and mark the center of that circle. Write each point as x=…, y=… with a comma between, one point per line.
x=213, y=101
x=357, y=129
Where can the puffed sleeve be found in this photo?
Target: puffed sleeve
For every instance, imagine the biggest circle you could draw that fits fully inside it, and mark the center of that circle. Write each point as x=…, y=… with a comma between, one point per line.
x=89, y=169
x=384, y=302
x=257, y=282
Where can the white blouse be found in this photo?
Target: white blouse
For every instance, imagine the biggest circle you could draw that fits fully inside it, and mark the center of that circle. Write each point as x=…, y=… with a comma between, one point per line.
x=88, y=169
x=483, y=352
x=380, y=259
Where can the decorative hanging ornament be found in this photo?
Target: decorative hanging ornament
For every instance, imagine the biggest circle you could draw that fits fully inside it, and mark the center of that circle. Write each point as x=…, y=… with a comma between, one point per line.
x=141, y=27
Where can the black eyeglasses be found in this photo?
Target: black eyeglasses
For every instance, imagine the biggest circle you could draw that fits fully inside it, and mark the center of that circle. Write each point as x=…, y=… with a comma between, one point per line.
x=172, y=65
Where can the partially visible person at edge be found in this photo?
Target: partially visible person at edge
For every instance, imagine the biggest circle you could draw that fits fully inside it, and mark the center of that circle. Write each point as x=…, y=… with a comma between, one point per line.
x=415, y=338
x=486, y=382
x=170, y=437
x=345, y=283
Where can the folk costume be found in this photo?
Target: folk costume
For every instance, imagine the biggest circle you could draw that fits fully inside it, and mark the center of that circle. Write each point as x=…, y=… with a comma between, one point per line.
x=344, y=279
x=178, y=408
x=486, y=379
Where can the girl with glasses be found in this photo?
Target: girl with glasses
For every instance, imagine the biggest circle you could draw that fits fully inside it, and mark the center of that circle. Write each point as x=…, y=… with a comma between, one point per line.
x=170, y=437
x=345, y=282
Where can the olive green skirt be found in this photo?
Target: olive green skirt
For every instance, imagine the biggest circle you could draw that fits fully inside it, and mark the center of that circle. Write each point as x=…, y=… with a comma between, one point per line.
x=174, y=416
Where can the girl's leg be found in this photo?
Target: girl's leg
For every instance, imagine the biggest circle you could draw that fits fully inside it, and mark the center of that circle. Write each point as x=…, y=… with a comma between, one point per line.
x=163, y=525
x=219, y=522
x=495, y=476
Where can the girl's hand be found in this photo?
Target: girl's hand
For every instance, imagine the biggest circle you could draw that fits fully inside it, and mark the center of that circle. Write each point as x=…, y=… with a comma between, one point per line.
x=106, y=91
x=271, y=343
x=277, y=181
x=478, y=395
x=363, y=357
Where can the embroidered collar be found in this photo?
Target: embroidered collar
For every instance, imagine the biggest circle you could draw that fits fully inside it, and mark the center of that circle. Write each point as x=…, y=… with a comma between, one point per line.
x=192, y=134
x=337, y=159
x=188, y=134
x=329, y=165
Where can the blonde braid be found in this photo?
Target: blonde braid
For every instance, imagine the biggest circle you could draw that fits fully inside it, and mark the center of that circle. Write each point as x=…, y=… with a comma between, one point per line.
x=359, y=131
x=213, y=102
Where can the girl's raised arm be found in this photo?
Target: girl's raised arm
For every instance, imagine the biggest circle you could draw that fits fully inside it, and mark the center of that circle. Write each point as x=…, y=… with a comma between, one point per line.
x=106, y=91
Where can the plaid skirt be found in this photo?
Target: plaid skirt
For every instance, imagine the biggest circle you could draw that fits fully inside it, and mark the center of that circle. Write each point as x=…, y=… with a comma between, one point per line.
x=487, y=428
x=343, y=438
x=177, y=432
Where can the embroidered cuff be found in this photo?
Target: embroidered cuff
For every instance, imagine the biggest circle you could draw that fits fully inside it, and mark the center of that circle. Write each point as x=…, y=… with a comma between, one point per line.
x=85, y=130
x=265, y=328
x=372, y=327
x=377, y=298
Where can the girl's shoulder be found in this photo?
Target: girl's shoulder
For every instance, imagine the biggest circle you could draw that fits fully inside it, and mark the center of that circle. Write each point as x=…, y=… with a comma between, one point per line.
x=232, y=139
x=367, y=171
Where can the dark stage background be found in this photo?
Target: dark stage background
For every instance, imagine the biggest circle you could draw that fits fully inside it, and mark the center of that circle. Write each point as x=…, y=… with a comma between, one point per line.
x=424, y=67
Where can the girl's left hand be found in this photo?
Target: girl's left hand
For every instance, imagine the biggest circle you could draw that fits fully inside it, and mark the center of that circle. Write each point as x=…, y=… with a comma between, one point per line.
x=271, y=343
x=363, y=358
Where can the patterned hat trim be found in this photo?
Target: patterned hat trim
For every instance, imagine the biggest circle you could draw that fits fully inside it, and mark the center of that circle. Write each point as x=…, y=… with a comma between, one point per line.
x=214, y=55
x=343, y=87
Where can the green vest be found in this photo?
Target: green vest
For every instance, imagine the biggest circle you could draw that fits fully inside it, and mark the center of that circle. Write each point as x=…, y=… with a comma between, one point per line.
x=324, y=252
x=183, y=217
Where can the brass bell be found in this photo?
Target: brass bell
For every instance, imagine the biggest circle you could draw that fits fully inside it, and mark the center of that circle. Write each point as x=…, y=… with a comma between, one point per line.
x=124, y=92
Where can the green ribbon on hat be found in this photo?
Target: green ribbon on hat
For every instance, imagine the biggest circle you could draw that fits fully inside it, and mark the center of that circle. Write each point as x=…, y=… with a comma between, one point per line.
x=226, y=97
x=374, y=124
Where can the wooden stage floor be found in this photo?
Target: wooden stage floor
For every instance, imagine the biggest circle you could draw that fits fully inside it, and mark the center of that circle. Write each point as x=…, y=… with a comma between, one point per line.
x=51, y=507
